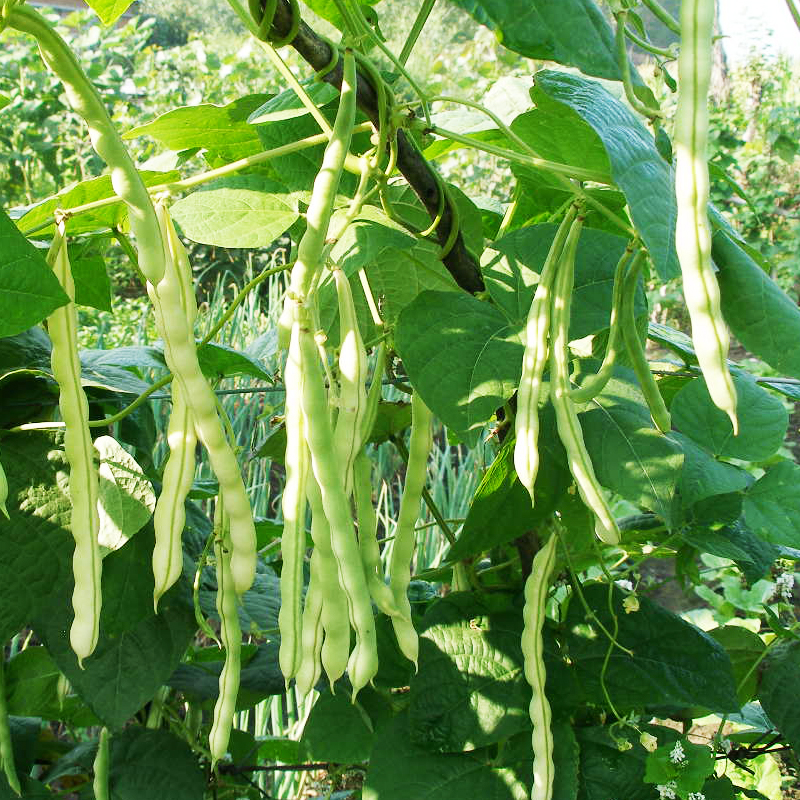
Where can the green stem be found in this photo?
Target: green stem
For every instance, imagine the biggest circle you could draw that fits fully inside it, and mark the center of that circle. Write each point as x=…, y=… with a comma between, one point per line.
x=416, y=30
x=511, y=211
x=203, y=177
x=649, y=46
x=625, y=67
x=663, y=15
x=794, y=12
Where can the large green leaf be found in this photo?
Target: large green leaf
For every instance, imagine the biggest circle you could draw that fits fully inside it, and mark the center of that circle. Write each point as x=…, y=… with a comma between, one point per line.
x=223, y=129
x=114, y=214
x=113, y=683
x=636, y=165
x=772, y=505
x=29, y=291
x=109, y=11
x=337, y=730
x=762, y=420
x=629, y=455
x=239, y=211
x=511, y=275
x=571, y=32
x=462, y=356
x=606, y=771
x=779, y=691
x=764, y=319
x=672, y=663
x=153, y=763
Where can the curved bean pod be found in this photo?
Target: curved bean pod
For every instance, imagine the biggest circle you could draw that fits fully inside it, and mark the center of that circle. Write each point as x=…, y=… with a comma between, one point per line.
x=3, y=492
x=310, y=667
x=594, y=384
x=363, y=662
x=569, y=427
x=230, y=635
x=62, y=325
x=526, y=422
x=536, y=588
x=86, y=102
x=693, y=237
x=101, y=766
x=633, y=344
x=419, y=448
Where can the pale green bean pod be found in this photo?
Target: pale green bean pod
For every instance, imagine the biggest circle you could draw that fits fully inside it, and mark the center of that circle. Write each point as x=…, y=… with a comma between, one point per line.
x=363, y=662
x=84, y=491
x=536, y=589
x=293, y=504
x=419, y=448
x=313, y=632
x=537, y=330
x=102, y=766
x=569, y=427
x=693, y=237
x=3, y=491
x=230, y=635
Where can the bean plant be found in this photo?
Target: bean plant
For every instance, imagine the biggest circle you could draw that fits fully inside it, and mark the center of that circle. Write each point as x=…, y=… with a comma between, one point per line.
x=162, y=634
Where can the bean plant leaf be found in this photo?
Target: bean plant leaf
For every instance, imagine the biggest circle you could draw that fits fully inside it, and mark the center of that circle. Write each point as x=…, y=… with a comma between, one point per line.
x=114, y=214
x=225, y=130
x=572, y=32
x=511, y=275
x=240, y=211
x=400, y=769
x=762, y=420
x=629, y=455
x=606, y=771
x=745, y=650
x=337, y=730
x=109, y=11
x=462, y=356
x=772, y=505
x=673, y=663
x=329, y=10
x=636, y=165
x=221, y=361
x=153, y=763
x=92, y=285
x=763, y=318
x=779, y=690
x=113, y=683
x=29, y=291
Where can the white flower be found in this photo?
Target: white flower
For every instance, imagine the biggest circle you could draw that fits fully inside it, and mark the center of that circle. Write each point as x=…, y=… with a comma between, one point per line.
x=624, y=584
x=696, y=796
x=784, y=584
x=677, y=756
x=666, y=791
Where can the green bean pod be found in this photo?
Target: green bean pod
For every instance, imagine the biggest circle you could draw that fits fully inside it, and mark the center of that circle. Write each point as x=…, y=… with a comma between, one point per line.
x=313, y=631
x=169, y=518
x=86, y=102
x=180, y=353
x=536, y=588
x=363, y=662
x=293, y=503
x=352, y=365
x=593, y=385
x=6, y=745
x=381, y=594
x=569, y=427
x=419, y=448
x=320, y=207
x=230, y=635
x=3, y=492
x=526, y=422
x=633, y=344
x=693, y=237
x=102, y=766
x=335, y=613
x=62, y=325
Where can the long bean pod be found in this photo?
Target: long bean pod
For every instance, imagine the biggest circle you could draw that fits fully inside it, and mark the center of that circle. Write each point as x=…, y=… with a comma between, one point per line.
x=363, y=662
x=86, y=102
x=293, y=504
x=569, y=427
x=419, y=448
x=230, y=635
x=594, y=384
x=3, y=491
x=536, y=588
x=6, y=745
x=62, y=325
x=633, y=344
x=537, y=330
x=693, y=238
x=102, y=766
x=320, y=207
x=310, y=668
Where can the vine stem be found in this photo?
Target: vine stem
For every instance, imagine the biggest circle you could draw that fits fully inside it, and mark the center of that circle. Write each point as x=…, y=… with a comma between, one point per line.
x=625, y=67
x=416, y=29
x=663, y=15
x=794, y=12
